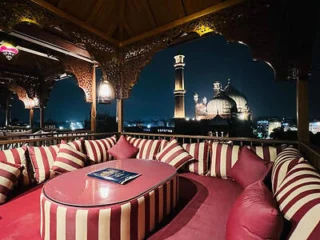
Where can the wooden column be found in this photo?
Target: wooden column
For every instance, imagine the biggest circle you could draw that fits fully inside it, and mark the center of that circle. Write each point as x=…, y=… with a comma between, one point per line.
x=41, y=109
x=94, y=101
x=303, y=110
x=31, y=115
x=120, y=114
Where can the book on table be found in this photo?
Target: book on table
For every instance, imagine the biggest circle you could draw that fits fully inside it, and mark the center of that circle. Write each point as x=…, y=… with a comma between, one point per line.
x=114, y=175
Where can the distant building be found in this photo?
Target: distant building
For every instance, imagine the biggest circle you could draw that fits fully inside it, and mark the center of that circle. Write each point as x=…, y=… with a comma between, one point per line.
x=226, y=102
x=314, y=126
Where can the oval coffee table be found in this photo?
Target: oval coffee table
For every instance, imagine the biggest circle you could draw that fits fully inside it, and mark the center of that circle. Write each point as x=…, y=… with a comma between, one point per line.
x=76, y=206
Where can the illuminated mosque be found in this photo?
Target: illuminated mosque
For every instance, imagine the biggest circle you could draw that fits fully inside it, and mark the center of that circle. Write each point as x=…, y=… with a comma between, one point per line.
x=227, y=103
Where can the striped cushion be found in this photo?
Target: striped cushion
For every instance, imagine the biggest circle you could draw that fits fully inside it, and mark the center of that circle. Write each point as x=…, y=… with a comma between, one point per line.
x=97, y=149
x=42, y=159
x=77, y=144
x=17, y=156
x=287, y=159
x=9, y=175
x=68, y=159
x=200, y=152
x=174, y=155
x=147, y=148
x=223, y=157
x=298, y=197
x=267, y=153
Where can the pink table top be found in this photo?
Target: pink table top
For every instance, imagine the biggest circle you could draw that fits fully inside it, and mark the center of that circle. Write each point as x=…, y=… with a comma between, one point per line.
x=77, y=189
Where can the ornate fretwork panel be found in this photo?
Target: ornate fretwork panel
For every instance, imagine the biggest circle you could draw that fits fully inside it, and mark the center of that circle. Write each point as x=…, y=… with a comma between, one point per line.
x=83, y=72
x=22, y=95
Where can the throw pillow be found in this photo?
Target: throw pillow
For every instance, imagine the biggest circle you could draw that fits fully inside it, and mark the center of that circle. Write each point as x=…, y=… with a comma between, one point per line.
x=174, y=155
x=147, y=148
x=200, y=153
x=9, y=175
x=42, y=159
x=76, y=144
x=123, y=149
x=249, y=168
x=17, y=156
x=254, y=215
x=68, y=159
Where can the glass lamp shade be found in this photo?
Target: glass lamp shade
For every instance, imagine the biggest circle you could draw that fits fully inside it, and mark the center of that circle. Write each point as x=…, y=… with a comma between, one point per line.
x=105, y=92
x=8, y=50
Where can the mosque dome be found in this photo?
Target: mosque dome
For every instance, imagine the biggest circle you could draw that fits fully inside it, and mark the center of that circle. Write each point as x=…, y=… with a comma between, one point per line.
x=222, y=105
x=238, y=97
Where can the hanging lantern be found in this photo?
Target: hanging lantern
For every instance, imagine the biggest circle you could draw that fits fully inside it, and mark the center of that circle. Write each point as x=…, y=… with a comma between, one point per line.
x=106, y=92
x=8, y=50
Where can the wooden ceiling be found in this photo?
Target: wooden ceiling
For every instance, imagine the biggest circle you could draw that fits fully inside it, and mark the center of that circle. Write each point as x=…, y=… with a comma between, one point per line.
x=126, y=21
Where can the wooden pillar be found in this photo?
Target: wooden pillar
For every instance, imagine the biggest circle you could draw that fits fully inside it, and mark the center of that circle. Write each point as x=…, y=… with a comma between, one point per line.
x=41, y=109
x=31, y=115
x=303, y=110
x=120, y=114
x=94, y=102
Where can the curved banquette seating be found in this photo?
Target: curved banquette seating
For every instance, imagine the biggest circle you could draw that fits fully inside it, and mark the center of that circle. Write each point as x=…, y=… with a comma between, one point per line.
x=225, y=191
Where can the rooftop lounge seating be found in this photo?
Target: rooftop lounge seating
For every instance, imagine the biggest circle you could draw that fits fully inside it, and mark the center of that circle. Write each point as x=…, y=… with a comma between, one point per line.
x=208, y=195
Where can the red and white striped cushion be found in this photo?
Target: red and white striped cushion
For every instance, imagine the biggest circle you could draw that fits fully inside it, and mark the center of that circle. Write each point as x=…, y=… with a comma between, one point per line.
x=97, y=149
x=223, y=157
x=147, y=148
x=77, y=144
x=267, y=153
x=287, y=159
x=298, y=198
x=174, y=155
x=9, y=175
x=42, y=159
x=200, y=152
x=68, y=159
x=17, y=156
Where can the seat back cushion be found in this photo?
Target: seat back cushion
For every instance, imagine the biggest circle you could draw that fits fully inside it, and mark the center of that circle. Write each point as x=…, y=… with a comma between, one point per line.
x=17, y=156
x=68, y=159
x=97, y=150
x=223, y=157
x=9, y=175
x=174, y=154
x=254, y=215
x=76, y=144
x=200, y=154
x=249, y=168
x=42, y=159
x=147, y=148
x=284, y=162
x=298, y=197
x=268, y=153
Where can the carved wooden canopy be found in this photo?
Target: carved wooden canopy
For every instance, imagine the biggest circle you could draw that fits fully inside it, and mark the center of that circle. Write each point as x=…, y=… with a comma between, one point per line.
x=123, y=35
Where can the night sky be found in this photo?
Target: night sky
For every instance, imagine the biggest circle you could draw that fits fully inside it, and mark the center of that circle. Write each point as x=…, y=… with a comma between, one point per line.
x=207, y=60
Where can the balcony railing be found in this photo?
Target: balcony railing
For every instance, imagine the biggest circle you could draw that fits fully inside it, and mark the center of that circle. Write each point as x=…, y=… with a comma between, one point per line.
x=311, y=153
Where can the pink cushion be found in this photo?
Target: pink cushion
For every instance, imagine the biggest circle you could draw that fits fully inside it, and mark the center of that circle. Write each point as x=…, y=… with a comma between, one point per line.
x=200, y=153
x=298, y=197
x=249, y=168
x=97, y=150
x=68, y=159
x=42, y=159
x=123, y=149
x=9, y=175
x=254, y=215
x=147, y=148
x=17, y=156
x=174, y=155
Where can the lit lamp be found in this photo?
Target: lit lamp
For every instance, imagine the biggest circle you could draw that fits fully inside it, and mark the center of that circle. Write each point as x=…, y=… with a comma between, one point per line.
x=105, y=92
x=8, y=50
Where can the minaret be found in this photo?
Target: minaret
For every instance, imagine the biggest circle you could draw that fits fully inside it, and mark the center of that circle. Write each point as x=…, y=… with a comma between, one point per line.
x=179, y=90
x=216, y=88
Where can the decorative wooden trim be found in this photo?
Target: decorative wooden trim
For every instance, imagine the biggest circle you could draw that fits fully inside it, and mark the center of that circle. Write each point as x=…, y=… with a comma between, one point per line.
x=181, y=21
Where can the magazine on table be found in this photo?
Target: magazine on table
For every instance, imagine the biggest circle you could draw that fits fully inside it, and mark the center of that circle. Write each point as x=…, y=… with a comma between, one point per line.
x=114, y=175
